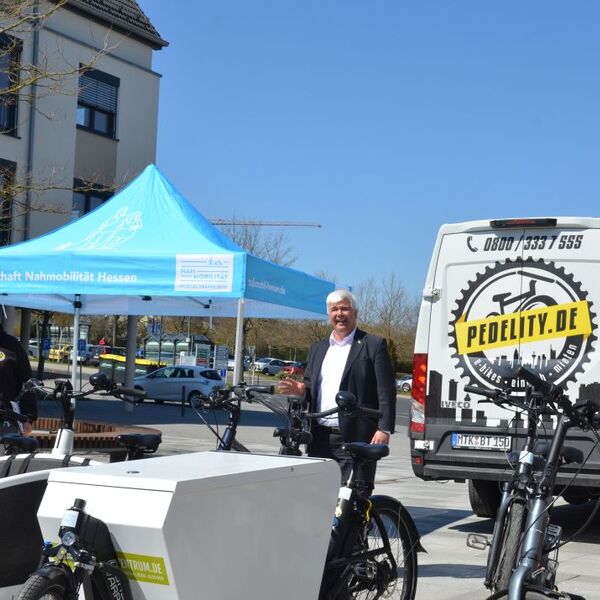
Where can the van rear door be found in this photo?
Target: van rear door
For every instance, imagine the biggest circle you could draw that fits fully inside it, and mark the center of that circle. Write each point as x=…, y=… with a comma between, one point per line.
x=504, y=294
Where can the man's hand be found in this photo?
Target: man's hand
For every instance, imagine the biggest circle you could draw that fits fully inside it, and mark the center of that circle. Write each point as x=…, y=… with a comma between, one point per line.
x=291, y=387
x=381, y=437
x=27, y=428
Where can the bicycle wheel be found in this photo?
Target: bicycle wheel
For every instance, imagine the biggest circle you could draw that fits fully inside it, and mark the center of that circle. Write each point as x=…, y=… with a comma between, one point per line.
x=510, y=546
x=38, y=587
x=375, y=577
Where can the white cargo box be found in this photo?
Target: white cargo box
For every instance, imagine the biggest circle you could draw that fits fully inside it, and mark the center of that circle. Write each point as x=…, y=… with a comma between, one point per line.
x=209, y=525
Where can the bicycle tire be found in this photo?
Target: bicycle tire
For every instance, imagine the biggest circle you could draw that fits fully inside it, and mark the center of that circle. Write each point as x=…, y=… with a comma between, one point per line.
x=390, y=514
x=510, y=545
x=38, y=587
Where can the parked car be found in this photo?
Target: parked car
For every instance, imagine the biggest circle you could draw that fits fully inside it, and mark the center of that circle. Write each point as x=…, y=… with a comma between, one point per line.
x=60, y=353
x=118, y=350
x=231, y=363
x=34, y=348
x=167, y=383
x=404, y=383
x=269, y=366
x=296, y=368
x=85, y=357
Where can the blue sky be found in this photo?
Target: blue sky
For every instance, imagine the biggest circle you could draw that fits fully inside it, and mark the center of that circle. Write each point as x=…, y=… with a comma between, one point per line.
x=379, y=120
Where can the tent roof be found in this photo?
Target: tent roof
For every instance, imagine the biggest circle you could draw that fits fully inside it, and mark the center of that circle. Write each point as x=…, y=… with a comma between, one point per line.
x=150, y=251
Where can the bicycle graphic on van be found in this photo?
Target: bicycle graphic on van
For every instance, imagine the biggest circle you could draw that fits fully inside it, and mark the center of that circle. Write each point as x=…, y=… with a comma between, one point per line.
x=525, y=301
x=512, y=313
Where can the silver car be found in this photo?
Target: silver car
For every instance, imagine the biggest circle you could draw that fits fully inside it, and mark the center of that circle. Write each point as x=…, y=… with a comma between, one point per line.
x=269, y=366
x=168, y=383
x=404, y=383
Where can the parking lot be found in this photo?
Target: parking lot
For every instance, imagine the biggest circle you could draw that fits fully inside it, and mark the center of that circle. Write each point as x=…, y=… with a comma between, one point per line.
x=440, y=509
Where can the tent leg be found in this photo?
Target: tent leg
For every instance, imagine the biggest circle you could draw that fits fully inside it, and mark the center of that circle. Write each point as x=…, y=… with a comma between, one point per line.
x=238, y=369
x=130, y=360
x=77, y=306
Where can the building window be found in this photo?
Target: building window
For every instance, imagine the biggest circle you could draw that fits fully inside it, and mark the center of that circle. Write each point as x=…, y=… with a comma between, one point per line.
x=7, y=178
x=87, y=197
x=97, y=102
x=10, y=53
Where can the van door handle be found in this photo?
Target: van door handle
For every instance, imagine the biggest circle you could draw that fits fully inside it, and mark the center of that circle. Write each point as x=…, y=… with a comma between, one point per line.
x=432, y=294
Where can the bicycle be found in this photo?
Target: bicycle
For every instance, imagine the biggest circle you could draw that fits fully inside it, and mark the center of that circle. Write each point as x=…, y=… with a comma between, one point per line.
x=24, y=474
x=372, y=552
x=510, y=518
x=523, y=557
x=86, y=541
x=374, y=541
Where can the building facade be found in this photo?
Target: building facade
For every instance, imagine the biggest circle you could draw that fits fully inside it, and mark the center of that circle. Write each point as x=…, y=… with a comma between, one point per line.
x=88, y=124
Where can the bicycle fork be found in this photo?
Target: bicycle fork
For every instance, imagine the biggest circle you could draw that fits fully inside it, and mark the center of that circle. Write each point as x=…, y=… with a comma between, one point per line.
x=530, y=565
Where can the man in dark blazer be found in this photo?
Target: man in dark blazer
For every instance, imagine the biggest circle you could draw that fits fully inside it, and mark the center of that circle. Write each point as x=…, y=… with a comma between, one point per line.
x=349, y=360
x=14, y=371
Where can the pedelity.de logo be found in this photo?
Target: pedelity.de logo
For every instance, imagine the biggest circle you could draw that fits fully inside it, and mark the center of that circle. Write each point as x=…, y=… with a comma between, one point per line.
x=529, y=313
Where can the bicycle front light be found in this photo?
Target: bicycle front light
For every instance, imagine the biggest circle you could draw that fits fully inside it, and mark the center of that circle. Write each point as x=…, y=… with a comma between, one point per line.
x=68, y=538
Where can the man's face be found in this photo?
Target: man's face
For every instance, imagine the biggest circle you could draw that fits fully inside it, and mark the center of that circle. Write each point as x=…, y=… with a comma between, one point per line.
x=342, y=318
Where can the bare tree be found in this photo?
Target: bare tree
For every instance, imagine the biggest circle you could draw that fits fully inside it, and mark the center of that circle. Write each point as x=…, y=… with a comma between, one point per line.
x=272, y=246
x=26, y=78
x=368, y=303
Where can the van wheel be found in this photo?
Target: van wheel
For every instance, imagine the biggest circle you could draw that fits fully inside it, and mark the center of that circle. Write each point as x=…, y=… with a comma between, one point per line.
x=484, y=497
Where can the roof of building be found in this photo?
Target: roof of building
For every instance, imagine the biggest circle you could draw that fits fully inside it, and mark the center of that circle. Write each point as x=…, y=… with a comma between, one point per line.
x=124, y=15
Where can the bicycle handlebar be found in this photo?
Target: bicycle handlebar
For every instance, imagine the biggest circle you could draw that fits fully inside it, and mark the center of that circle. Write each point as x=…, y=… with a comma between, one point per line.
x=100, y=385
x=368, y=412
x=244, y=391
x=12, y=416
x=472, y=389
x=546, y=388
x=119, y=392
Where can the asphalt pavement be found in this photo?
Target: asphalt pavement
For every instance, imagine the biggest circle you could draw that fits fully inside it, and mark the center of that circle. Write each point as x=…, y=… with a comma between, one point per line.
x=449, y=570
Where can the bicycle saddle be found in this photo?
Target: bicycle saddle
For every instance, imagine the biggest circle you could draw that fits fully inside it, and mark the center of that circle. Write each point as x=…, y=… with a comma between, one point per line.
x=143, y=441
x=367, y=451
x=22, y=442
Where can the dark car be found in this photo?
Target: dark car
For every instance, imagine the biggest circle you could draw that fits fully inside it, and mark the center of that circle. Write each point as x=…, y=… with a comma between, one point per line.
x=296, y=368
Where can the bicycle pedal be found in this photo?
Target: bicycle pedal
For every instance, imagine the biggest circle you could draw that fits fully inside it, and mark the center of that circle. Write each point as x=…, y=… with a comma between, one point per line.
x=365, y=570
x=478, y=541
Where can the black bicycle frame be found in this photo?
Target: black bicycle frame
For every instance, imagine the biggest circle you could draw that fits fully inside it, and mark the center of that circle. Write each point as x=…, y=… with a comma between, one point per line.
x=538, y=518
x=512, y=490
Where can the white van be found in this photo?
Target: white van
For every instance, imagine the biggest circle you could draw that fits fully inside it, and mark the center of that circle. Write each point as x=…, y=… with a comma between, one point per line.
x=500, y=294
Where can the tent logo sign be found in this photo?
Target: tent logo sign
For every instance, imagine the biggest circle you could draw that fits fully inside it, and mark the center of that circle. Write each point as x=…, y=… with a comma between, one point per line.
x=204, y=273
x=121, y=227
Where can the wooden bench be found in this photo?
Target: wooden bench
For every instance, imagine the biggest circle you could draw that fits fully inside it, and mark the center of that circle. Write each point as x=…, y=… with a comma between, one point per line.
x=89, y=435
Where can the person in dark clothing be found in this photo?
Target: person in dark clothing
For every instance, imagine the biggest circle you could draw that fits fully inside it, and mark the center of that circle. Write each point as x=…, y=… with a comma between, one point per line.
x=15, y=370
x=349, y=360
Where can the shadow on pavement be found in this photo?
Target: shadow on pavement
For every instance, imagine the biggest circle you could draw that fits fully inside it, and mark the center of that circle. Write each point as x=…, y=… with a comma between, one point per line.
x=569, y=517
x=430, y=519
x=456, y=571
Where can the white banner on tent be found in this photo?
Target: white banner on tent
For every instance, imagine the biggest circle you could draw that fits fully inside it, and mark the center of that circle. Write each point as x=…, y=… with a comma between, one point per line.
x=204, y=273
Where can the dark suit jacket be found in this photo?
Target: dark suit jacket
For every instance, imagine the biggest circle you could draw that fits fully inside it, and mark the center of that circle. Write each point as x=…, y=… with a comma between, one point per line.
x=368, y=374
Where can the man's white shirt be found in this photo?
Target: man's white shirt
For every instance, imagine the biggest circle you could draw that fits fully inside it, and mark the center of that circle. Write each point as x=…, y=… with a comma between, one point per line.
x=330, y=379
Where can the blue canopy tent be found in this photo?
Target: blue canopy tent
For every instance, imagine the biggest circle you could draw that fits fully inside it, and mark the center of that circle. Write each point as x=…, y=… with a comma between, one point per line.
x=148, y=251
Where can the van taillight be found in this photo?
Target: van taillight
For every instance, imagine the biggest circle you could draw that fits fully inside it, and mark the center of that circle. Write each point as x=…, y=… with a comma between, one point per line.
x=418, y=393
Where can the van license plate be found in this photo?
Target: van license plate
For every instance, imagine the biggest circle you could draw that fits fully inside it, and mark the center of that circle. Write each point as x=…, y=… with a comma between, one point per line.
x=476, y=441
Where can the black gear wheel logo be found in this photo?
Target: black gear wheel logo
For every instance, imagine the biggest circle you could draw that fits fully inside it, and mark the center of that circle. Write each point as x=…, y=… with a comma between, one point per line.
x=542, y=285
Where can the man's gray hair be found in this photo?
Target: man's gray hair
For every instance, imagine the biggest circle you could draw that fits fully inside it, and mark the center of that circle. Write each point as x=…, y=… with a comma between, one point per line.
x=339, y=295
